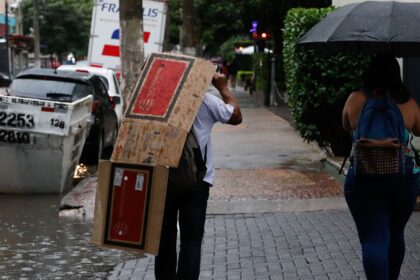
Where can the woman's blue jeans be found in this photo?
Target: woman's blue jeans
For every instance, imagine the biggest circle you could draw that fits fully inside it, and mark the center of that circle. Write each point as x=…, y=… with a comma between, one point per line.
x=189, y=207
x=381, y=209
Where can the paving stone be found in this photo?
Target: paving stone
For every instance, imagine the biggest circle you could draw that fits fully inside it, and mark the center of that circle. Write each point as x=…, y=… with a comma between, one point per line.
x=298, y=245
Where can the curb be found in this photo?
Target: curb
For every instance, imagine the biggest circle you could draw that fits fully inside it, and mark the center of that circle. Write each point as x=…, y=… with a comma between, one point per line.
x=248, y=206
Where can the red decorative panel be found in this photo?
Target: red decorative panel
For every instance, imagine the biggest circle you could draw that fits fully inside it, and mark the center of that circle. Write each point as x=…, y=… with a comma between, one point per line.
x=128, y=205
x=159, y=87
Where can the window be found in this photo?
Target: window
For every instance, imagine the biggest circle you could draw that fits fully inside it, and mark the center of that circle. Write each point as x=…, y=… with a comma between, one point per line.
x=42, y=88
x=100, y=88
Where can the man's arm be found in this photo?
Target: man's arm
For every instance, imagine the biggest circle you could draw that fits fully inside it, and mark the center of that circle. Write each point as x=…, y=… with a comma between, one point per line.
x=220, y=83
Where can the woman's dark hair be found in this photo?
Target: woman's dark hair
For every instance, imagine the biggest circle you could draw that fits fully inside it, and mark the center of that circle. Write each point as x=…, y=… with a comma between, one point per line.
x=383, y=77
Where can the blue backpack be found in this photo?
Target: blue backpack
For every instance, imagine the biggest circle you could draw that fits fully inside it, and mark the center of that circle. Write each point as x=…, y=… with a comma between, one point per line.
x=379, y=141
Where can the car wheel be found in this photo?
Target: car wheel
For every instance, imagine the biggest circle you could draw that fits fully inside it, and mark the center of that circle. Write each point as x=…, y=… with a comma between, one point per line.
x=107, y=152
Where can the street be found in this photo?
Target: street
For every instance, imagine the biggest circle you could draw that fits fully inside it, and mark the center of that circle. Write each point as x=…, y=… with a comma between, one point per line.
x=38, y=244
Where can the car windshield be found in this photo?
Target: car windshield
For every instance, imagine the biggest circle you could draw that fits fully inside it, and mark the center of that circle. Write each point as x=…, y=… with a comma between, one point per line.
x=57, y=90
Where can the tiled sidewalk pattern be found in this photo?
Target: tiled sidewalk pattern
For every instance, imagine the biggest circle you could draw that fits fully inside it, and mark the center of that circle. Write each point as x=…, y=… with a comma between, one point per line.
x=274, y=246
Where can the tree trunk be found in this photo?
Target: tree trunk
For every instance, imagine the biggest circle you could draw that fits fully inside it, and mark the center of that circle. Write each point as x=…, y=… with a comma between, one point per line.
x=131, y=46
x=187, y=31
x=37, y=51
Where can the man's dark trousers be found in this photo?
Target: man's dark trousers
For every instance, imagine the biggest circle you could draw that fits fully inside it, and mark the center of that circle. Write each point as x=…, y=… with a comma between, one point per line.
x=190, y=205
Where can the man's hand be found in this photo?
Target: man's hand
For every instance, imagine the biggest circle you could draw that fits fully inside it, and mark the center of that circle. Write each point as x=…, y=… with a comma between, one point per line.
x=220, y=83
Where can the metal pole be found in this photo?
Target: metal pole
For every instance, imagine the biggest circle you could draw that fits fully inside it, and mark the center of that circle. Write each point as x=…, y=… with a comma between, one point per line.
x=273, y=82
x=6, y=27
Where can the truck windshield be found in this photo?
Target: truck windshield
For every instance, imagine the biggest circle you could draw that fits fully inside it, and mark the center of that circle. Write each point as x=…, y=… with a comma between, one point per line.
x=56, y=90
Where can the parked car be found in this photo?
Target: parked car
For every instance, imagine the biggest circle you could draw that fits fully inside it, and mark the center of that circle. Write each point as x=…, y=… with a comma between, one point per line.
x=110, y=77
x=67, y=86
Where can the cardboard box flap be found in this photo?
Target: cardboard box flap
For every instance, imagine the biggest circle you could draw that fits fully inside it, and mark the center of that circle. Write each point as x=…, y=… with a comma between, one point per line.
x=162, y=110
x=129, y=206
x=149, y=143
x=170, y=90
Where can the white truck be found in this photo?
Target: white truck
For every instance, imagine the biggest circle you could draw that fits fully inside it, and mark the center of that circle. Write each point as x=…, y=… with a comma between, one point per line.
x=40, y=143
x=104, y=43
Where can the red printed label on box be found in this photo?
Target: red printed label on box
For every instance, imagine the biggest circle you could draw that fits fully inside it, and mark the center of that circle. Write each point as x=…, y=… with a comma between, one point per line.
x=127, y=216
x=159, y=88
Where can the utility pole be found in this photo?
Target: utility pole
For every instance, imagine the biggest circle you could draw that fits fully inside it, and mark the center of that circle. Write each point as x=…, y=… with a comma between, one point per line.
x=6, y=34
x=37, y=52
x=131, y=46
x=19, y=18
x=6, y=27
x=187, y=32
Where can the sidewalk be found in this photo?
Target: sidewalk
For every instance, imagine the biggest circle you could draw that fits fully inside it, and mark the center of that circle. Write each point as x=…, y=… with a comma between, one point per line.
x=286, y=245
x=273, y=212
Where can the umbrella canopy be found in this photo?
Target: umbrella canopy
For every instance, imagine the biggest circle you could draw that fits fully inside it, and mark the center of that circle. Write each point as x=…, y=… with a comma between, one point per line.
x=371, y=27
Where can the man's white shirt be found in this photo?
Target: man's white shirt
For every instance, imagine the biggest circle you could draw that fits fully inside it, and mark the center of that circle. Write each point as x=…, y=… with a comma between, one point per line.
x=211, y=111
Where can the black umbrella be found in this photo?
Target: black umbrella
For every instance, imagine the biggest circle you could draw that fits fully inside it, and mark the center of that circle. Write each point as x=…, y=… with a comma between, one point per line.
x=370, y=27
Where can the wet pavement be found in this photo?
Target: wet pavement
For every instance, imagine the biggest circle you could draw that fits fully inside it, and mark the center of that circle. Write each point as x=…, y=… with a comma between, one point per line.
x=36, y=243
x=263, y=140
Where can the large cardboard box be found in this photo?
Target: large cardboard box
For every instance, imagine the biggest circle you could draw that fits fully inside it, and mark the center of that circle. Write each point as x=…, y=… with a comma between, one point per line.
x=129, y=206
x=132, y=186
x=162, y=109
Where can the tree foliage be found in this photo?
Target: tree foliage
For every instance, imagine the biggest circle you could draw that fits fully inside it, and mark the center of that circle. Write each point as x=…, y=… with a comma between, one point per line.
x=218, y=21
x=64, y=25
x=175, y=21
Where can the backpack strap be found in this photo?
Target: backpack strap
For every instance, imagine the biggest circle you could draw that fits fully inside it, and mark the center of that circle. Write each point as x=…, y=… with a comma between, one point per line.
x=196, y=140
x=343, y=164
x=356, y=133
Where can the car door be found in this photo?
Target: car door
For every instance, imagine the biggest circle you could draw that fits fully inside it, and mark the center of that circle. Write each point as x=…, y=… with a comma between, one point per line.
x=117, y=104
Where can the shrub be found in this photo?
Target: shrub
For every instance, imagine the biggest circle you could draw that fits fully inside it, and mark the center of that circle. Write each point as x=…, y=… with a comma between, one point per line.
x=318, y=83
x=227, y=49
x=243, y=75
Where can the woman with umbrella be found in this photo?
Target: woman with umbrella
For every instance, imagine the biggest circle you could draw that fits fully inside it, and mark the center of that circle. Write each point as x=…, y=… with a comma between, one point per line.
x=381, y=206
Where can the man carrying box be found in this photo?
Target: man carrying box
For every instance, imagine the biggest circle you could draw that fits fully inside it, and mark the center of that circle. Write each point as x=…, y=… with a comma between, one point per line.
x=190, y=205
